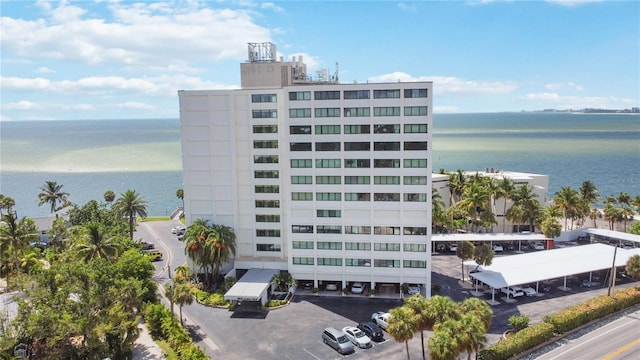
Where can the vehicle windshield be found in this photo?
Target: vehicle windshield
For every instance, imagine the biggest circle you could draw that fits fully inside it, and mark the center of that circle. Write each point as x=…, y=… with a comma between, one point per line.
x=343, y=339
x=359, y=334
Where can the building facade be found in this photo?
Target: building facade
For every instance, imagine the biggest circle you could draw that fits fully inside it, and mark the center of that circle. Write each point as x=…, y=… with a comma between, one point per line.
x=329, y=181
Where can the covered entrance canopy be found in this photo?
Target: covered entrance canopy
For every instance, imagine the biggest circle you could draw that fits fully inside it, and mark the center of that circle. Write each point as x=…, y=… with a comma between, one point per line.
x=252, y=286
x=506, y=271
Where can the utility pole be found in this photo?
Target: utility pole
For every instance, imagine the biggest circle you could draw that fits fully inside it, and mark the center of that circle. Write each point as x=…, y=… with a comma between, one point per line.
x=612, y=281
x=173, y=314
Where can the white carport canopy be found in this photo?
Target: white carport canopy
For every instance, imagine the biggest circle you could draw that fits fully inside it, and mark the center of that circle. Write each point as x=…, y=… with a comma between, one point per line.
x=488, y=237
x=614, y=235
x=527, y=268
x=252, y=285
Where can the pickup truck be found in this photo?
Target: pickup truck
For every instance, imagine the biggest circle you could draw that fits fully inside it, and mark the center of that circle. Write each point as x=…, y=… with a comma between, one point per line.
x=512, y=292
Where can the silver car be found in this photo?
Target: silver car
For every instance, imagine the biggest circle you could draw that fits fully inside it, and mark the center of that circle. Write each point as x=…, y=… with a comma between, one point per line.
x=357, y=337
x=337, y=340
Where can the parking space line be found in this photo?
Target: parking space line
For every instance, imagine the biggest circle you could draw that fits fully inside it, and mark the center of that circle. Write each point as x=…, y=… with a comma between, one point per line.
x=309, y=352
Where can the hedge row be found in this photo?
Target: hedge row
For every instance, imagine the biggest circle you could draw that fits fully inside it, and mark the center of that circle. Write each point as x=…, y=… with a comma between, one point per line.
x=562, y=322
x=210, y=299
x=163, y=325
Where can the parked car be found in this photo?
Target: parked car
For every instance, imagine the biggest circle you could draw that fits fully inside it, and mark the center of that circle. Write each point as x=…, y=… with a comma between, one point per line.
x=381, y=318
x=357, y=337
x=178, y=229
x=497, y=248
x=372, y=330
x=357, y=288
x=331, y=287
x=538, y=246
x=586, y=284
x=453, y=248
x=154, y=255
x=307, y=284
x=337, y=340
x=413, y=289
x=146, y=246
x=529, y=291
x=180, y=237
x=512, y=292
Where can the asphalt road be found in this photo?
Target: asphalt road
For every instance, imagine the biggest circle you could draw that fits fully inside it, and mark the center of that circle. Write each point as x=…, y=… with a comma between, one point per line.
x=294, y=332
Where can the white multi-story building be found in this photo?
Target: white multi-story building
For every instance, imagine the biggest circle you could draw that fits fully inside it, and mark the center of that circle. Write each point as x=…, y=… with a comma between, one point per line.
x=329, y=181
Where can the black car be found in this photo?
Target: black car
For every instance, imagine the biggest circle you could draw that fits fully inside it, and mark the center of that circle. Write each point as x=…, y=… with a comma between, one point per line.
x=372, y=330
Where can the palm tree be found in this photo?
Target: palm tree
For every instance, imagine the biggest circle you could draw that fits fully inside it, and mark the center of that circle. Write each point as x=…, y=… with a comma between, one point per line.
x=15, y=237
x=423, y=315
x=506, y=190
x=402, y=325
x=438, y=216
x=129, y=205
x=636, y=203
x=195, y=237
x=92, y=242
x=183, y=273
x=109, y=196
x=456, y=185
x=479, y=308
x=180, y=195
x=6, y=203
x=442, y=346
x=515, y=215
x=567, y=200
x=483, y=255
x=475, y=200
x=594, y=215
x=465, y=252
x=443, y=309
x=625, y=201
x=471, y=335
x=52, y=194
x=633, y=267
x=548, y=221
x=221, y=247
x=526, y=199
x=182, y=296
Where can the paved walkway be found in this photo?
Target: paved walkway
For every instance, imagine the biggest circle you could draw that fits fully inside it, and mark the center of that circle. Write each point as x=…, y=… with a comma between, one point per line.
x=145, y=348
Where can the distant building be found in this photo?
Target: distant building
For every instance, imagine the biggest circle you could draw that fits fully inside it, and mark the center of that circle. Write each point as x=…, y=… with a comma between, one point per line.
x=329, y=181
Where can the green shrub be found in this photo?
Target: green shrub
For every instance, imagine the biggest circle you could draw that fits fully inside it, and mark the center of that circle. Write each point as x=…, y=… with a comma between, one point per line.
x=518, y=322
x=518, y=342
x=153, y=317
x=215, y=299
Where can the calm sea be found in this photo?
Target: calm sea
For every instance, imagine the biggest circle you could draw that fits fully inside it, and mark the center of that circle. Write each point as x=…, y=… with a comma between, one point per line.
x=91, y=157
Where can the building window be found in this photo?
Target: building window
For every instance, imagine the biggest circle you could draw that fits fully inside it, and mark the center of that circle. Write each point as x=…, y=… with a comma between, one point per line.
x=328, y=146
x=357, y=180
x=357, y=129
x=387, y=163
x=386, y=180
x=301, y=179
x=386, y=263
x=386, y=94
x=327, y=129
x=268, y=247
x=267, y=189
x=414, y=247
x=265, y=159
x=386, y=230
x=328, y=180
x=300, y=95
x=358, y=230
x=327, y=112
x=301, y=196
x=329, y=245
x=300, y=146
x=386, y=146
x=327, y=163
x=296, y=130
x=264, y=114
x=361, y=246
x=267, y=233
x=386, y=247
x=415, y=163
x=415, y=128
x=357, y=112
x=328, y=229
x=328, y=196
x=414, y=230
x=302, y=244
x=357, y=197
x=419, y=264
x=356, y=163
x=415, y=197
x=357, y=146
x=328, y=213
x=264, y=98
x=302, y=229
x=268, y=218
x=386, y=111
x=326, y=95
x=267, y=203
x=301, y=163
x=300, y=113
x=329, y=262
x=415, y=145
x=265, y=144
x=358, y=262
x=415, y=180
x=302, y=260
x=386, y=129
x=356, y=94
x=386, y=197
x=266, y=174
x=415, y=93
x=415, y=111
x=265, y=129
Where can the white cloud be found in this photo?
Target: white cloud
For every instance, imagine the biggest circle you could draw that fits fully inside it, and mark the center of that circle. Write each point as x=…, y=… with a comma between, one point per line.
x=569, y=85
x=44, y=70
x=22, y=84
x=406, y=7
x=21, y=105
x=572, y=3
x=452, y=85
x=560, y=102
x=446, y=109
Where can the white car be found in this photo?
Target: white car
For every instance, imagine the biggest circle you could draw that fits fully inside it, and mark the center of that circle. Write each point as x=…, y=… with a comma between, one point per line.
x=381, y=319
x=453, y=248
x=178, y=229
x=529, y=291
x=413, y=289
x=512, y=292
x=497, y=248
x=357, y=288
x=331, y=287
x=357, y=337
x=538, y=246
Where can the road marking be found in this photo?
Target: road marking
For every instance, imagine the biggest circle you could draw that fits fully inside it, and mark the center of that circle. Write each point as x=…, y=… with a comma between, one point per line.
x=309, y=352
x=621, y=350
x=164, y=246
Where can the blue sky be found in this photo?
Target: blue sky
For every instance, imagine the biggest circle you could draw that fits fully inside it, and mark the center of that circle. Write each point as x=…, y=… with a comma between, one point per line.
x=122, y=60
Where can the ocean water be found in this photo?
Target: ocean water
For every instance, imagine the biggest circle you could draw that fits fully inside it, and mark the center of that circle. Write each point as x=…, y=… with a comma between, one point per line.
x=93, y=156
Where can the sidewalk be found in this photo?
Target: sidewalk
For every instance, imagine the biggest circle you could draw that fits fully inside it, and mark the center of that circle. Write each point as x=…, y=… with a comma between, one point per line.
x=145, y=348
